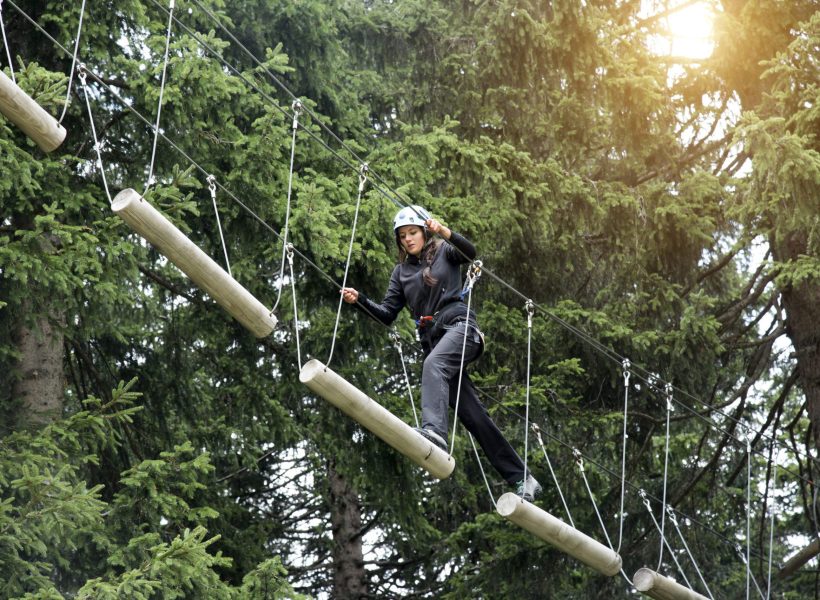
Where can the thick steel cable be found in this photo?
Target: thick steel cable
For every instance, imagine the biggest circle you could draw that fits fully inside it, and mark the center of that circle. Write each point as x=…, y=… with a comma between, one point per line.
x=473, y=273
x=73, y=63
x=579, y=333
x=673, y=519
x=397, y=342
x=212, y=188
x=626, y=363
x=362, y=182
x=296, y=107
x=150, y=180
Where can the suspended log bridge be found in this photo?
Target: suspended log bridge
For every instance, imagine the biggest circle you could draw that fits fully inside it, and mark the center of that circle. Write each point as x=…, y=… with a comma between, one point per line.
x=19, y=108
x=660, y=587
x=191, y=260
x=374, y=417
x=557, y=533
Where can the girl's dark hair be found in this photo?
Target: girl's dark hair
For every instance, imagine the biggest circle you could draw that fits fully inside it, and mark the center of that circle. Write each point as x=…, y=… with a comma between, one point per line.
x=428, y=253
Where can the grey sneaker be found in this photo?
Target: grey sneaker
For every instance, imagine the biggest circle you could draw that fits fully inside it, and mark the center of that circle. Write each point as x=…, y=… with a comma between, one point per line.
x=528, y=488
x=432, y=436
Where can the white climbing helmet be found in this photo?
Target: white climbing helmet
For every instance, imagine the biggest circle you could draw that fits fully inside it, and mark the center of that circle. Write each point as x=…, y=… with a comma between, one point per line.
x=410, y=215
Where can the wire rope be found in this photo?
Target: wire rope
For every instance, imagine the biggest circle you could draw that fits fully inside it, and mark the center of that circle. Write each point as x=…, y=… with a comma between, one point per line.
x=6, y=44
x=397, y=342
x=362, y=182
x=625, y=365
x=665, y=472
x=211, y=180
x=481, y=468
x=297, y=108
x=673, y=519
x=537, y=431
x=530, y=310
x=150, y=180
x=73, y=62
x=473, y=273
x=97, y=146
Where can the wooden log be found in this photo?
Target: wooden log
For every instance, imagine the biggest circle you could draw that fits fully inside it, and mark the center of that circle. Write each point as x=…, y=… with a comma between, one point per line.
x=373, y=416
x=30, y=117
x=660, y=587
x=557, y=533
x=203, y=271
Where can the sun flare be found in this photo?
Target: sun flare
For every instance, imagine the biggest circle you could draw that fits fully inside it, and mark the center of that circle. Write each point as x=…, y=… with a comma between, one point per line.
x=688, y=29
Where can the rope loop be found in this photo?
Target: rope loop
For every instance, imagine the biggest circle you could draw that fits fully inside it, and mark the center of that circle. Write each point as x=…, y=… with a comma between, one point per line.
x=579, y=458
x=363, y=170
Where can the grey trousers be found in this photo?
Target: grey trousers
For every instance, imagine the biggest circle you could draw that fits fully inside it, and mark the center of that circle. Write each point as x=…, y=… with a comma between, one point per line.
x=439, y=387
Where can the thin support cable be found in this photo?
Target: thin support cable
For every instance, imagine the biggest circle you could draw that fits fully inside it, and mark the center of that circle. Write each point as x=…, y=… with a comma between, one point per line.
x=473, y=274
x=212, y=187
x=362, y=182
x=6, y=43
x=674, y=520
x=150, y=181
x=295, y=313
x=625, y=364
x=772, y=517
x=530, y=310
x=748, y=514
x=481, y=468
x=663, y=539
x=742, y=555
x=73, y=63
x=580, y=462
x=297, y=109
x=397, y=342
x=669, y=409
x=97, y=144
x=537, y=432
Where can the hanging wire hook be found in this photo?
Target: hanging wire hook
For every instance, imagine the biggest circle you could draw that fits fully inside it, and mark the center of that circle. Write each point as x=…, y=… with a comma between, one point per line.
x=212, y=187
x=289, y=255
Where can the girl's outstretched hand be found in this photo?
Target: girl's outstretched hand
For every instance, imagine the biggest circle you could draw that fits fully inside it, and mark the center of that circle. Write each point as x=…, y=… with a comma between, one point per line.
x=349, y=295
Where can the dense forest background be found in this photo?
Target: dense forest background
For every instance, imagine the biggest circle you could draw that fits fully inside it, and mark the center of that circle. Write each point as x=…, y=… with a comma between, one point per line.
x=656, y=208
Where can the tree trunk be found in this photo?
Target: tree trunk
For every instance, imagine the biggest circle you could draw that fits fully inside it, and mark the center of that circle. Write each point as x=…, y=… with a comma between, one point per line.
x=802, y=326
x=349, y=577
x=38, y=387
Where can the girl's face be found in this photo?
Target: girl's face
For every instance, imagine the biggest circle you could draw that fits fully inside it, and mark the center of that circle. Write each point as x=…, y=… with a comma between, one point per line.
x=411, y=238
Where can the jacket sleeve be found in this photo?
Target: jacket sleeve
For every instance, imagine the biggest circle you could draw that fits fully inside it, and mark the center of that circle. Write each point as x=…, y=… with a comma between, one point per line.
x=389, y=308
x=459, y=249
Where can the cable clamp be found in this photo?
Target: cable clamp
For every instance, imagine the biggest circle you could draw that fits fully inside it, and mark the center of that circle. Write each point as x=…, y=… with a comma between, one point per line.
x=668, y=391
x=646, y=503
x=289, y=250
x=82, y=72
x=671, y=512
x=529, y=306
x=297, y=109
x=579, y=459
x=363, y=170
x=211, y=185
x=625, y=365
